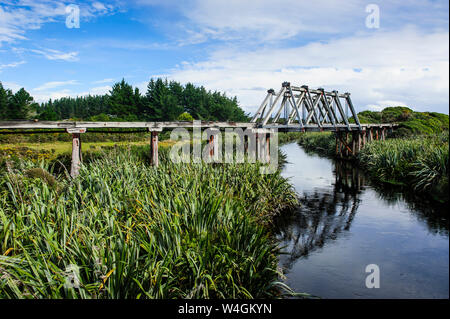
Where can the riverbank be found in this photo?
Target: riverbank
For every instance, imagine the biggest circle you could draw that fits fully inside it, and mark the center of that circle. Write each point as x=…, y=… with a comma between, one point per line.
x=417, y=164
x=128, y=230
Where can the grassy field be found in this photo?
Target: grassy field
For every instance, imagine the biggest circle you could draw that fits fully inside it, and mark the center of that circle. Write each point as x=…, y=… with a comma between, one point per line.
x=53, y=150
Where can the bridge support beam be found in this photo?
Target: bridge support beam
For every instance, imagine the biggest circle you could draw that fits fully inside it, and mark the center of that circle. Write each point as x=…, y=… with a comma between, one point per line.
x=267, y=149
x=350, y=143
x=364, y=138
x=354, y=145
x=211, y=145
x=346, y=145
x=154, y=158
x=262, y=145
x=76, y=150
x=359, y=138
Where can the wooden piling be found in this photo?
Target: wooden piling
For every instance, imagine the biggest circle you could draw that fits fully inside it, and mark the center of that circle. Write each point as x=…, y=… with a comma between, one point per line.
x=211, y=145
x=245, y=144
x=154, y=159
x=257, y=146
x=358, y=141
x=346, y=144
x=76, y=150
x=76, y=155
x=337, y=142
x=267, y=148
x=354, y=146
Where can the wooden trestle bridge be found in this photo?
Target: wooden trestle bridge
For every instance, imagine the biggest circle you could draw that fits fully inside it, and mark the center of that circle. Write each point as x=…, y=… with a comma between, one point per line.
x=291, y=109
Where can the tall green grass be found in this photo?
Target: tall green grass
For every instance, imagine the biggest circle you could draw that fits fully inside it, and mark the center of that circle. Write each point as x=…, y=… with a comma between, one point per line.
x=420, y=164
x=134, y=231
x=319, y=142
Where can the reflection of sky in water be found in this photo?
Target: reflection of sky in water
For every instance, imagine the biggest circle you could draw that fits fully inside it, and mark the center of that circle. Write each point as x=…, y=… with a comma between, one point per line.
x=307, y=171
x=413, y=261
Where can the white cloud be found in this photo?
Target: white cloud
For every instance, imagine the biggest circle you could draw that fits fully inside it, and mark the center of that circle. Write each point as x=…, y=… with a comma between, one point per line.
x=54, y=84
x=99, y=6
x=408, y=66
x=57, y=55
x=99, y=90
x=11, y=65
x=12, y=86
x=45, y=96
x=52, y=90
x=266, y=21
x=17, y=17
x=109, y=80
x=380, y=105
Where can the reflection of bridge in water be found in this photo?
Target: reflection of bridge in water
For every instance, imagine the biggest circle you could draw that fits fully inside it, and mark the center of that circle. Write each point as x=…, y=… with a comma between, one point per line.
x=325, y=214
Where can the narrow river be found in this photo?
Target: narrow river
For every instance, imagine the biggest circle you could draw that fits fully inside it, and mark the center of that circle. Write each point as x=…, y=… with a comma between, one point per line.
x=344, y=224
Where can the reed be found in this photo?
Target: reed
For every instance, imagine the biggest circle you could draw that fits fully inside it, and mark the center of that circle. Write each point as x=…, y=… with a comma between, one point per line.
x=318, y=142
x=135, y=231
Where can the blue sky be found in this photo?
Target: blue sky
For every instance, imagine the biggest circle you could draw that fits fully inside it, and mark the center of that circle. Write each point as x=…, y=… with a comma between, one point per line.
x=240, y=47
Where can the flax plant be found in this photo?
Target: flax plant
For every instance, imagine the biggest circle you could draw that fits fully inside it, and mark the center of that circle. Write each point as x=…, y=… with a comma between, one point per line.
x=123, y=229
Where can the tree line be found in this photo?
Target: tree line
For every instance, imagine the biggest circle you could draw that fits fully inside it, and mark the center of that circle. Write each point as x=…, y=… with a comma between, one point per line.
x=163, y=101
x=16, y=106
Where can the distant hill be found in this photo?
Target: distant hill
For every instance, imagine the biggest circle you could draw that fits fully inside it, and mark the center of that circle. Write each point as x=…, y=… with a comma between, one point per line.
x=410, y=122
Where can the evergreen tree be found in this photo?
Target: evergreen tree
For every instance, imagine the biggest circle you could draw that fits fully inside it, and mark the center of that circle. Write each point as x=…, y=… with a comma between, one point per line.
x=162, y=104
x=20, y=105
x=5, y=97
x=122, y=101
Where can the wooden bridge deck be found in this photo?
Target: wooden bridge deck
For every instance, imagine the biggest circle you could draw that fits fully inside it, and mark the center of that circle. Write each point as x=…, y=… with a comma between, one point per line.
x=157, y=126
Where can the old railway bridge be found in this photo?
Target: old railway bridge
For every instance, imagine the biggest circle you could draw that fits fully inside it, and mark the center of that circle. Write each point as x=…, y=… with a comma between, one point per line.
x=292, y=109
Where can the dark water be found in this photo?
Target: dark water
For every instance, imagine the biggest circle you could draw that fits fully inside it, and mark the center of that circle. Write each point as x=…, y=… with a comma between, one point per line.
x=345, y=224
